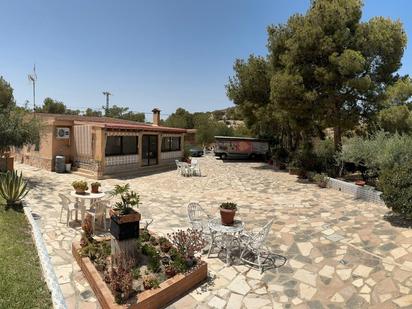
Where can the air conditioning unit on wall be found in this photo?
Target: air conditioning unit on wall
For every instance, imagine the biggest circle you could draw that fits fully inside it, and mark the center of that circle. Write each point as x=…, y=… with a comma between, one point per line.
x=63, y=133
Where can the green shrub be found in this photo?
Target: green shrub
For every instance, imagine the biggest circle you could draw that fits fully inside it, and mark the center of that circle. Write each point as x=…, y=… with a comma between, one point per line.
x=304, y=159
x=154, y=257
x=321, y=179
x=380, y=151
x=96, y=251
x=179, y=263
x=148, y=249
x=324, y=152
x=136, y=272
x=396, y=186
x=150, y=282
x=144, y=236
x=280, y=155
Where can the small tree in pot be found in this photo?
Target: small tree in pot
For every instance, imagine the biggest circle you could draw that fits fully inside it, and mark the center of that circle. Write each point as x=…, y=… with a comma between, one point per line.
x=227, y=212
x=124, y=219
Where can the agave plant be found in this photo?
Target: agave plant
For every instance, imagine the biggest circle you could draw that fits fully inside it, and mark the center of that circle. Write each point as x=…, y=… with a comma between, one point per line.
x=13, y=188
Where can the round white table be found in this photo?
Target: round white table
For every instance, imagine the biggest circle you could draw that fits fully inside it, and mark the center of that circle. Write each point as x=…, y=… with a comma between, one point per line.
x=81, y=198
x=228, y=233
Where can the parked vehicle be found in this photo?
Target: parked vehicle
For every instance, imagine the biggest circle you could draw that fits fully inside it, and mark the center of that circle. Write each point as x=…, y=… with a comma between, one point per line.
x=196, y=151
x=231, y=147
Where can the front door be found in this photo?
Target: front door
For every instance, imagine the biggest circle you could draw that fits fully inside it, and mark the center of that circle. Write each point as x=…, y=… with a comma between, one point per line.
x=149, y=150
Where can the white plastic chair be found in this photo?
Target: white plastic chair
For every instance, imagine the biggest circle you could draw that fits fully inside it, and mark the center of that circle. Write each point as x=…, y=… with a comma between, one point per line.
x=254, y=243
x=67, y=205
x=194, y=166
x=98, y=210
x=185, y=169
x=179, y=167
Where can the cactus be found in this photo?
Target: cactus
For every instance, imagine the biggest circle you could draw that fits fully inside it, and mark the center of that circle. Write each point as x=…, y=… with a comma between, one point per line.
x=13, y=188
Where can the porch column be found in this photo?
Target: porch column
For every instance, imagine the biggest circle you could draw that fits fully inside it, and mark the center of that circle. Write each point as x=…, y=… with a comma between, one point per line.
x=99, y=151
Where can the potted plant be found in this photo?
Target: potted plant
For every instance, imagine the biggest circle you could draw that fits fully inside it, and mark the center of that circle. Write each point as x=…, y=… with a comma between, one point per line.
x=95, y=187
x=227, y=212
x=321, y=180
x=124, y=223
x=360, y=183
x=68, y=167
x=80, y=186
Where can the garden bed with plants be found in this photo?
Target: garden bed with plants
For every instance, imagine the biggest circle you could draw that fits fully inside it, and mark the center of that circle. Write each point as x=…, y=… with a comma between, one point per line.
x=160, y=270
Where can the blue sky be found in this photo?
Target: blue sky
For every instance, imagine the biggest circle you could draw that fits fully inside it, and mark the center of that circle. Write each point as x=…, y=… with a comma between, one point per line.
x=166, y=54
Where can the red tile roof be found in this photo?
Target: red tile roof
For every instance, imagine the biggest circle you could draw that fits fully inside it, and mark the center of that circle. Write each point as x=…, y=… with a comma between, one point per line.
x=143, y=127
x=114, y=123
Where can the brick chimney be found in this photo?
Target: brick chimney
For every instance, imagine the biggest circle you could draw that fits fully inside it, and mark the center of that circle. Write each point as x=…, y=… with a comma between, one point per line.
x=156, y=116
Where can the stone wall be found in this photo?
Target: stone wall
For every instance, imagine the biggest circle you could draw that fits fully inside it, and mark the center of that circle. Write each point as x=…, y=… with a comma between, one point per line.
x=34, y=159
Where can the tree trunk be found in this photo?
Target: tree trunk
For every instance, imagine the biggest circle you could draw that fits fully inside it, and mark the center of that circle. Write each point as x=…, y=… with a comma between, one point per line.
x=337, y=137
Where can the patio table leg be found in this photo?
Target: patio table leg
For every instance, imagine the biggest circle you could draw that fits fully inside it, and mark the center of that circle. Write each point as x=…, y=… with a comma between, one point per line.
x=211, y=243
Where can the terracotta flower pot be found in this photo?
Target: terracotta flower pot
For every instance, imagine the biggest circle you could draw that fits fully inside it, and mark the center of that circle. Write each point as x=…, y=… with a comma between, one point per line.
x=227, y=216
x=322, y=184
x=80, y=191
x=95, y=189
x=360, y=183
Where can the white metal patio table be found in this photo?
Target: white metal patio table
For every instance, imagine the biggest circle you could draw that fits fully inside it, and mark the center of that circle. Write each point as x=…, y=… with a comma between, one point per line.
x=81, y=198
x=228, y=233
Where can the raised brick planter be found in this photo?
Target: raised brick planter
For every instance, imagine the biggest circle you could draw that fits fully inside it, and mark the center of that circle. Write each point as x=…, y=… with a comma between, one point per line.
x=168, y=291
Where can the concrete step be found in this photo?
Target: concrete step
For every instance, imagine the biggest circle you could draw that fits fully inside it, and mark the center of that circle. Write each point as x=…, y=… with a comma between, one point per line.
x=141, y=171
x=84, y=172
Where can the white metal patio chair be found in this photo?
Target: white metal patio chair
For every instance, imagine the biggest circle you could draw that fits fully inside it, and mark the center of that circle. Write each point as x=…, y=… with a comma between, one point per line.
x=254, y=244
x=198, y=217
x=67, y=205
x=98, y=210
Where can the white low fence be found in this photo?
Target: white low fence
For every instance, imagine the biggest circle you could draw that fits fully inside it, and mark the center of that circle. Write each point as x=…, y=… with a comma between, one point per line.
x=47, y=267
x=365, y=193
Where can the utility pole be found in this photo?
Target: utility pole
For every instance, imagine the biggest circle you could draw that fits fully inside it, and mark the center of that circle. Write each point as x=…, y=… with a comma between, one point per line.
x=107, y=94
x=33, y=79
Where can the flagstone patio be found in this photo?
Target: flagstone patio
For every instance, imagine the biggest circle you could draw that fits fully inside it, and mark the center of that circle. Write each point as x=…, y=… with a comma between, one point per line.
x=342, y=253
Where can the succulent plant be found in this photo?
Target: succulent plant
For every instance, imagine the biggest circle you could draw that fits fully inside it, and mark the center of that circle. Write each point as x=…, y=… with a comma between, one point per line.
x=80, y=185
x=13, y=188
x=229, y=205
x=150, y=282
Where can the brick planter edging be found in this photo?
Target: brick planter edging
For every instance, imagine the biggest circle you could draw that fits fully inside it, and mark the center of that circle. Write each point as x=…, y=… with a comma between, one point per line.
x=358, y=192
x=168, y=291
